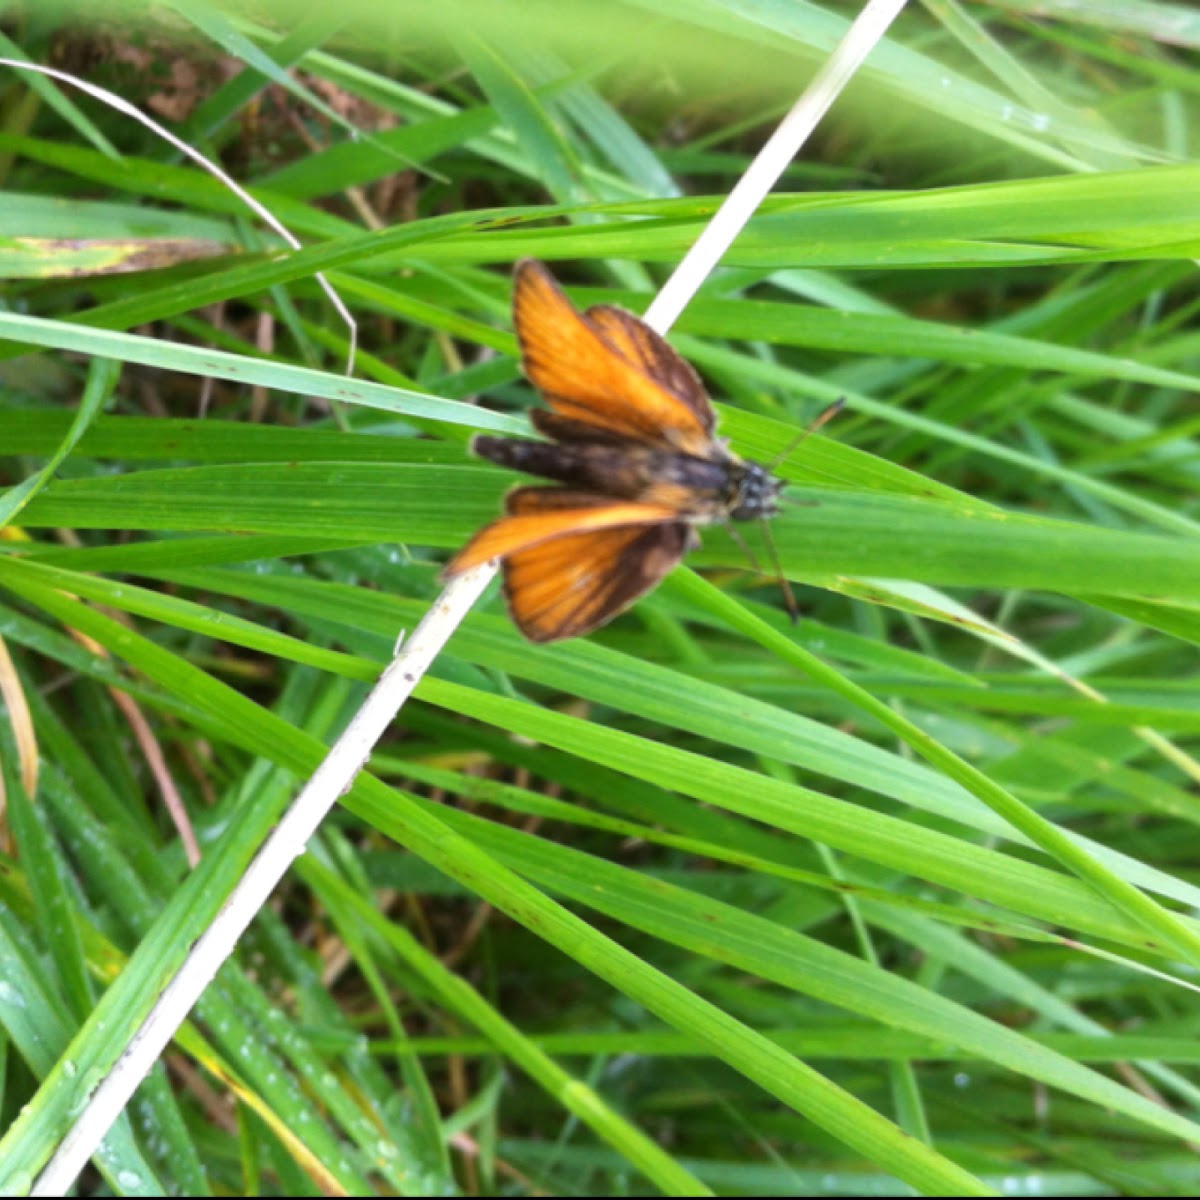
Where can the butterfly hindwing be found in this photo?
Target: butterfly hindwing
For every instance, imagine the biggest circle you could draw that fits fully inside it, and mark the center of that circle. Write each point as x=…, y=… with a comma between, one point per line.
x=565, y=429
x=541, y=514
x=570, y=585
x=607, y=385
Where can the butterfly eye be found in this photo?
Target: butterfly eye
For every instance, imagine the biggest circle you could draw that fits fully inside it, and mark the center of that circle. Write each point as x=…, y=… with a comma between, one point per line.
x=757, y=494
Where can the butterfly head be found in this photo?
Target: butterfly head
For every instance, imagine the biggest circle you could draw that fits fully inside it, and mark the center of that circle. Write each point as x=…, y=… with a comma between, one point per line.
x=754, y=493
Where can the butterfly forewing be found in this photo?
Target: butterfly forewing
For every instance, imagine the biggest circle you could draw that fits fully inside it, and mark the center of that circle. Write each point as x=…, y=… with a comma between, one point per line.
x=573, y=584
x=655, y=357
x=589, y=380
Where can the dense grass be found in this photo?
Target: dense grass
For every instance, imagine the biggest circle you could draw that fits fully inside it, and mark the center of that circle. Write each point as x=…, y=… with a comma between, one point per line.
x=899, y=896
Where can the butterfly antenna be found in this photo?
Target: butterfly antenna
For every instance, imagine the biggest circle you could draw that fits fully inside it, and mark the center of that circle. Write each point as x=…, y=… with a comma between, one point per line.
x=789, y=597
x=744, y=547
x=822, y=418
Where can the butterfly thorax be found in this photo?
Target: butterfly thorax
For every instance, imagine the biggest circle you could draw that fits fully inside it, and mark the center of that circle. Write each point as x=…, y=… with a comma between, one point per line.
x=699, y=489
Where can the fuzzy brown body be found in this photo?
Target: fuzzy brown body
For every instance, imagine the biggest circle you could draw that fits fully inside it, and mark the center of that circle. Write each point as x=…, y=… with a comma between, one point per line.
x=700, y=490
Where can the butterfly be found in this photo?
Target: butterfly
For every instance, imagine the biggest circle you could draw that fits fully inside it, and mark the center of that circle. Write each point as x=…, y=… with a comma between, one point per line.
x=634, y=460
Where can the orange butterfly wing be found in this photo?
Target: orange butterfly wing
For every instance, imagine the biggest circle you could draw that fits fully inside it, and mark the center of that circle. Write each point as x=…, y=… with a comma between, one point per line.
x=655, y=357
x=571, y=585
x=606, y=370
x=542, y=514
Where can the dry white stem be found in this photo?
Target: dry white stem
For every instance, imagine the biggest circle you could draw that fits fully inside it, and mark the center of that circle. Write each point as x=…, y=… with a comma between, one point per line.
x=285, y=843
x=770, y=162
x=395, y=685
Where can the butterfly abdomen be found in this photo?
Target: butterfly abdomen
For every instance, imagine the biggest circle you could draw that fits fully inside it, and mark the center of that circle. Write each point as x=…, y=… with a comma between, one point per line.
x=695, y=486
